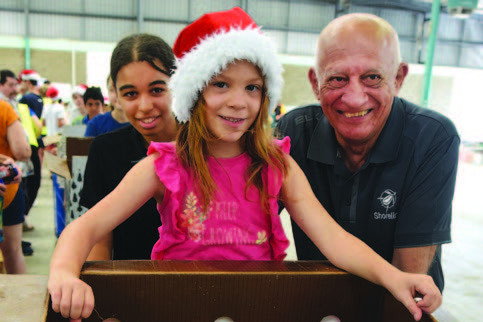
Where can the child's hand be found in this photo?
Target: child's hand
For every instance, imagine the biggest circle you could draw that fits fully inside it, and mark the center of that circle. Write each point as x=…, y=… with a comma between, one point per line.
x=70, y=296
x=408, y=286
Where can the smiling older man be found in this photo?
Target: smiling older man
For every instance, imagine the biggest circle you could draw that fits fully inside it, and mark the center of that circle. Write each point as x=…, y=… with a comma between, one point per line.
x=384, y=168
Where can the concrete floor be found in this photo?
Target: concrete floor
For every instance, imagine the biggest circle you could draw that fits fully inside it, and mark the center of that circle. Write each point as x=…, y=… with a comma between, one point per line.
x=462, y=260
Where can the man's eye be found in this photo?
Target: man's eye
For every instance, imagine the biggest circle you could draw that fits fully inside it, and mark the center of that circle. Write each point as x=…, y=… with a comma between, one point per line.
x=372, y=79
x=337, y=81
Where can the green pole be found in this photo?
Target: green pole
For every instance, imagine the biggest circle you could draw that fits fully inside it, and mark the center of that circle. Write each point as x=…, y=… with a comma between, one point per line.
x=428, y=68
x=27, y=52
x=27, y=34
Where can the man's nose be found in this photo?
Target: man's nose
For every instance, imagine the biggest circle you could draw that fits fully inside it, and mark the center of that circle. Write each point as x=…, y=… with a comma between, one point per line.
x=354, y=95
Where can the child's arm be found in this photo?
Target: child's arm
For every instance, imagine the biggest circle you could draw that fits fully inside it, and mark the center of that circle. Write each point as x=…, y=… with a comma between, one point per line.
x=72, y=297
x=349, y=253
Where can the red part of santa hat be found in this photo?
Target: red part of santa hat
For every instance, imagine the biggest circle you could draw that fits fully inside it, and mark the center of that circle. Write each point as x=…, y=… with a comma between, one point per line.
x=79, y=89
x=28, y=74
x=52, y=93
x=205, y=47
x=207, y=25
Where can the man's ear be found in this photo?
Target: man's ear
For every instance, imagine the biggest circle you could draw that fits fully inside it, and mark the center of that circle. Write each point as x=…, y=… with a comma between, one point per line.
x=402, y=71
x=313, y=81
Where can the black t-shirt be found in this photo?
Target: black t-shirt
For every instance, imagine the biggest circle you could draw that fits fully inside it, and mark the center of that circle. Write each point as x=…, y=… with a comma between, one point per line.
x=111, y=156
x=34, y=102
x=402, y=195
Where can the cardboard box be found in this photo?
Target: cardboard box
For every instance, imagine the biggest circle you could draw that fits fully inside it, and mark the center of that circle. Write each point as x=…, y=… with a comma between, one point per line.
x=74, y=146
x=244, y=291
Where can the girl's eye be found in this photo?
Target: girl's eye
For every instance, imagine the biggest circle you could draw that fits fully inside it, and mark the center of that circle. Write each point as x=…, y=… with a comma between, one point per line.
x=220, y=84
x=253, y=88
x=129, y=94
x=157, y=90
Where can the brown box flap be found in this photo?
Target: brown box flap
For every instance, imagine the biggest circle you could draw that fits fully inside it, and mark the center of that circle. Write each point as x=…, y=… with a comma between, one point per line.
x=57, y=165
x=76, y=146
x=241, y=290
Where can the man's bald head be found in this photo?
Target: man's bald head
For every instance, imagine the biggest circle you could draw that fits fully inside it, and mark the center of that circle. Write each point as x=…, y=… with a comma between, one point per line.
x=358, y=30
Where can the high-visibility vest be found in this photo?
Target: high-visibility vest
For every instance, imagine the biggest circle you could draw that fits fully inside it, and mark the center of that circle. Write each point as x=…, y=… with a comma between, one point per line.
x=47, y=101
x=27, y=123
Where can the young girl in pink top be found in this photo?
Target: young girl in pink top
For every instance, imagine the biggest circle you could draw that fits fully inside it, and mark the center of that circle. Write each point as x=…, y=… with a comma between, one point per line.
x=217, y=187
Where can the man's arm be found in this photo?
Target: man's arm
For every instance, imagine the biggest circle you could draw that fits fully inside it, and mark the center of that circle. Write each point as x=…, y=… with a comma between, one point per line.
x=414, y=259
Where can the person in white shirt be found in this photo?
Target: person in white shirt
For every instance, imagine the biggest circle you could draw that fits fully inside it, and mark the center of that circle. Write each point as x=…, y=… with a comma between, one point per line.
x=53, y=115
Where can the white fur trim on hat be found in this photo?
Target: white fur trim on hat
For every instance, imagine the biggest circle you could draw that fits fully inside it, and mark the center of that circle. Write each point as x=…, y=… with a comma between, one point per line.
x=212, y=55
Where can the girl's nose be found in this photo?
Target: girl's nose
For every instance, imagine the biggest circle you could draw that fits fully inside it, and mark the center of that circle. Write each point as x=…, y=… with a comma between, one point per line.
x=237, y=99
x=145, y=103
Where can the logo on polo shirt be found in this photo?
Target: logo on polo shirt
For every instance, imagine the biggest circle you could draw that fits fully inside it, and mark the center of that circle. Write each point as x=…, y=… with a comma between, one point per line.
x=387, y=200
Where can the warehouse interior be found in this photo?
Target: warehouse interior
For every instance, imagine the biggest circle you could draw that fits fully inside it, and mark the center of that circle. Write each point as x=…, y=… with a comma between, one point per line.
x=70, y=43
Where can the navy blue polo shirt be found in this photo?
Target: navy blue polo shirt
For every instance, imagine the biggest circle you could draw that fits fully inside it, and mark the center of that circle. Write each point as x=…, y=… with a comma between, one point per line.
x=34, y=102
x=402, y=195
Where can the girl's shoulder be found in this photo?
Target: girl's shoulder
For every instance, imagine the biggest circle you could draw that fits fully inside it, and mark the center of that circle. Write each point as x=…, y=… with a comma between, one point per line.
x=166, y=163
x=168, y=148
x=283, y=143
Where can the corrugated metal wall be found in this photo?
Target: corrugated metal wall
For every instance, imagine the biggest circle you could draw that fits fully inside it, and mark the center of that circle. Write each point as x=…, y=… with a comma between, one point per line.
x=294, y=24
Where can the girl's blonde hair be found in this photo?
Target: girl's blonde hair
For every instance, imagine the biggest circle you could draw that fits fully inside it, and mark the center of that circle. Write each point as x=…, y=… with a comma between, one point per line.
x=192, y=149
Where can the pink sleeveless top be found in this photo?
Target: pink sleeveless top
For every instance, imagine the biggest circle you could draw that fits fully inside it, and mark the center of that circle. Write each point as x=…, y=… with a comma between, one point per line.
x=234, y=227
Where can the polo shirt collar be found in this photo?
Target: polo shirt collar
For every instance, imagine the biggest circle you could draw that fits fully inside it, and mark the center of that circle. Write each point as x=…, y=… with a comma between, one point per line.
x=323, y=143
x=323, y=146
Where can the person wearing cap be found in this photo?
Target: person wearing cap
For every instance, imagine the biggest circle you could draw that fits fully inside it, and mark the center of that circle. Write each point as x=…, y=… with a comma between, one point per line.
x=384, y=167
x=53, y=115
x=76, y=108
x=32, y=81
x=93, y=103
x=53, y=118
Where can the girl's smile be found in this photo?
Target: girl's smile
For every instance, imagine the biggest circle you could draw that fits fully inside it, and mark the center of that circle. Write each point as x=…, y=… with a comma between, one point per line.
x=143, y=93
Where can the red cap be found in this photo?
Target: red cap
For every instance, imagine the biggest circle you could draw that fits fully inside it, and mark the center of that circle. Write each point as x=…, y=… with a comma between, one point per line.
x=28, y=74
x=207, y=25
x=52, y=93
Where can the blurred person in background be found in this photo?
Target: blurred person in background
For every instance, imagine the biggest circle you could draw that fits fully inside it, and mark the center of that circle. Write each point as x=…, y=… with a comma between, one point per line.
x=53, y=115
x=93, y=103
x=9, y=87
x=32, y=81
x=54, y=119
x=76, y=109
x=109, y=121
x=13, y=145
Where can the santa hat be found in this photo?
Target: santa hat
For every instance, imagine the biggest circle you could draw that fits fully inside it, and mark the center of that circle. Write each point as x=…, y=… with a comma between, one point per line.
x=52, y=93
x=29, y=74
x=205, y=47
x=79, y=89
